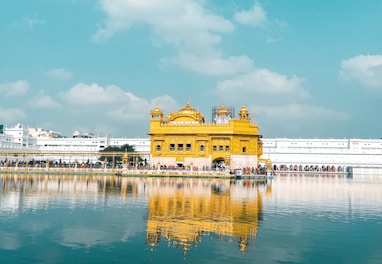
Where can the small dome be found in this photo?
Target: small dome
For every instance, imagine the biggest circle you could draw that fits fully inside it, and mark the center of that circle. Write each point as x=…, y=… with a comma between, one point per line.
x=243, y=113
x=156, y=112
x=243, y=110
x=223, y=111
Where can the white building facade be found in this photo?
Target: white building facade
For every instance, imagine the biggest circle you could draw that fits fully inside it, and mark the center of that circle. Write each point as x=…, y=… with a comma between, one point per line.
x=17, y=138
x=318, y=153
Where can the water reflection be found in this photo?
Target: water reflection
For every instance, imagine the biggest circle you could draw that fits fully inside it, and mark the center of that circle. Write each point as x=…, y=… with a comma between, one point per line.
x=334, y=196
x=291, y=219
x=179, y=212
x=183, y=212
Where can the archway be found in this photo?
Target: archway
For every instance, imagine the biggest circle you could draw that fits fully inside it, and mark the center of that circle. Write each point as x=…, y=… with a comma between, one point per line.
x=218, y=164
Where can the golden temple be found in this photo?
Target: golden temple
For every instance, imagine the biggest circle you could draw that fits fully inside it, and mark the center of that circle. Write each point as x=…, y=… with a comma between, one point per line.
x=184, y=139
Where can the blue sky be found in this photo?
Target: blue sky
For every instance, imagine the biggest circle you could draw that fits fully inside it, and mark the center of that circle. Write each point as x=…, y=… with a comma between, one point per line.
x=303, y=68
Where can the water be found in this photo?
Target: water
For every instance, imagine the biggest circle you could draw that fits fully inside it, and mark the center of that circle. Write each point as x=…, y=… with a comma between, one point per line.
x=292, y=219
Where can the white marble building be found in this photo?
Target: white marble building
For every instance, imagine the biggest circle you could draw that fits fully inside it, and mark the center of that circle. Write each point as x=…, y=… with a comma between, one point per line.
x=323, y=152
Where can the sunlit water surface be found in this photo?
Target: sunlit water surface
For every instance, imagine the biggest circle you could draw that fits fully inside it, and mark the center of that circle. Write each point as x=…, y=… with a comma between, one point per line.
x=290, y=219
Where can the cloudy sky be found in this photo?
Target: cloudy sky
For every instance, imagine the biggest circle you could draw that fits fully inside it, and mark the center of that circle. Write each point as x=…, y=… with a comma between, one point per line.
x=302, y=68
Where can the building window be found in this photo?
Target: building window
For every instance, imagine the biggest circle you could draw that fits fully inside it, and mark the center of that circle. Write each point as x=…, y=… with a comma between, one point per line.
x=180, y=147
x=172, y=147
x=220, y=148
x=244, y=149
x=158, y=147
x=188, y=147
x=227, y=148
x=214, y=148
x=201, y=147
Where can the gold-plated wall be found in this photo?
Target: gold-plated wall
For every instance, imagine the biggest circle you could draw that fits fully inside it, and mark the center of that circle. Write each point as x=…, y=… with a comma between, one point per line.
x=183, y=138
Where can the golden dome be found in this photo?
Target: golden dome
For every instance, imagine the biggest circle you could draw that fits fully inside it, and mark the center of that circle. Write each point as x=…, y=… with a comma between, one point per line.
x=187, y=110
x=243, y=110
x=156, y=112
x=243, y=113
x=187, y=114
x=223, y=111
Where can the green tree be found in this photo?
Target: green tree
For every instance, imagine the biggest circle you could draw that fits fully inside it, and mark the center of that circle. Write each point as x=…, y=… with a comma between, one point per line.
x=118, y=158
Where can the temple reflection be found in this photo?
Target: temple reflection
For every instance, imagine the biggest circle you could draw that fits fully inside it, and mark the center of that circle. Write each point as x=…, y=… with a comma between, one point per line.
x=222, y=210
x=180, y=212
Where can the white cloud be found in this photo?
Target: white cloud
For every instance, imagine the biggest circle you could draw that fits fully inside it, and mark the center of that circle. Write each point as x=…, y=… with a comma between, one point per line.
x=212, y=65
x=256, y=16
x=107, y=110
x=365, y=69
x=44, y=101
x=17, y=88
x=10, y=115
x=185, y=24
x=262, y=84
x=295, y=119
x=93, y=94
x=59, y=74
x=281, y=102
x=113, y=102
x=180, y=22
x=131, y=109
x=137, y=108
x=301, y=112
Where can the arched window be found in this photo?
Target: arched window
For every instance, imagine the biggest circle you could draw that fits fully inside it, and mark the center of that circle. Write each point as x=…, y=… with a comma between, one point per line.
x=201, y=147
x=158, y=147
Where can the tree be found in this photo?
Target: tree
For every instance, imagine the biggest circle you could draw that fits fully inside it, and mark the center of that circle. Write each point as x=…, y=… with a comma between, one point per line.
x=124, y=148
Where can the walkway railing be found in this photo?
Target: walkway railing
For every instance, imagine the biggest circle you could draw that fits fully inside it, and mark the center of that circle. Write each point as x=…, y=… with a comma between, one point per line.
x=113, y=171
x=127, y=172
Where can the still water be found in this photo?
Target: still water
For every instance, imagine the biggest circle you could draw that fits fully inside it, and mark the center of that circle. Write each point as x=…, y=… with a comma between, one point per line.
x=290, y=219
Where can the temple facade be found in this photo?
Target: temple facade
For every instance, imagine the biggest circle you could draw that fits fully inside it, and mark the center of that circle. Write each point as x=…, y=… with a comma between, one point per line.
x=183, y=138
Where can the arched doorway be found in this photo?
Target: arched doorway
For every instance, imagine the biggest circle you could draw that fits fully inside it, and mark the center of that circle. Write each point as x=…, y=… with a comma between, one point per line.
x=218, y=164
